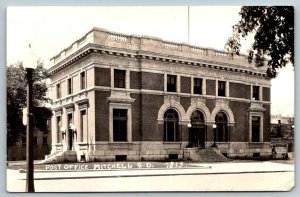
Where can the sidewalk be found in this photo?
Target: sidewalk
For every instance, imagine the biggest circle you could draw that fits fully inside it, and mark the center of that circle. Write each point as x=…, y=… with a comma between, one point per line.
x=85, y=171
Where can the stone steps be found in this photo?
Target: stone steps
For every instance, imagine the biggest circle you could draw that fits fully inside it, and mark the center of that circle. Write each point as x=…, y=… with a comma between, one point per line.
x=57, y=157
x=205, y=155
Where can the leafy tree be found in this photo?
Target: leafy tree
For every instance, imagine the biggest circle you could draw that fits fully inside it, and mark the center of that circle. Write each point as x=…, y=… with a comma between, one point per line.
x=273, y=28
x=16, y=100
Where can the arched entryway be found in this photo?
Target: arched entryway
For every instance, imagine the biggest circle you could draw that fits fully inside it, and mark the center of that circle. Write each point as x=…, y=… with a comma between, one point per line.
x=197, y=130
x=222, y=127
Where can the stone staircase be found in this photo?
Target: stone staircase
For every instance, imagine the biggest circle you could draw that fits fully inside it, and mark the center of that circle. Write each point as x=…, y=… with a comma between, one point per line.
x=204, y=155
x=59, y=157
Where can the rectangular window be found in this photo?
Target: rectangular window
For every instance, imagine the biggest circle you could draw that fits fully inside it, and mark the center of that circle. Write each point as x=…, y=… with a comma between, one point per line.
x=70, y=120
x=171, y=83
x=119, y=78
x=58, y=91
x=45, y=141
x=35, y=141
x=221, y=88
x=255, y=93
x=197, y=86
x=83, y=124
x=58, y=129
x=82, y=81
x=70, y=87
x=255, y=129
x=120, y=125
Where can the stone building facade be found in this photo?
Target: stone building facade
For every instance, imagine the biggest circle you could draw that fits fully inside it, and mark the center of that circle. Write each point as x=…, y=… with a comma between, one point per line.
x=127, y=97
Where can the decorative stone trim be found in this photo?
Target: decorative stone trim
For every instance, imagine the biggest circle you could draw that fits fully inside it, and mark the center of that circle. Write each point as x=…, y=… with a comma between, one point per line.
x=198, y=103
x=256, y=106
x=171, y=102
x=222, y=105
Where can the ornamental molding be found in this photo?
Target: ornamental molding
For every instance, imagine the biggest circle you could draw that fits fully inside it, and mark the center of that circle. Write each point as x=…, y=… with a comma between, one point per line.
x=172, y=99
x=198, y=103
x=222, y=105
x=171, y=102
x=256, y=106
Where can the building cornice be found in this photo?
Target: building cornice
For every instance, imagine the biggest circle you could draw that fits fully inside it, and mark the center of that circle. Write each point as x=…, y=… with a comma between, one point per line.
x=144, y=55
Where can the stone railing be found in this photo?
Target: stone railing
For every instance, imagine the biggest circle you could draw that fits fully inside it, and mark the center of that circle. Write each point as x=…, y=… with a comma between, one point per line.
x=173, y=46
x=197, y=50
x=118, y=37
x=149, y=44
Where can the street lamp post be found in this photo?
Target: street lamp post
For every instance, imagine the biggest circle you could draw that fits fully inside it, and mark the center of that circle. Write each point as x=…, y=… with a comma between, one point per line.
x=190, y=138
x=30, y=62
x=214, y=126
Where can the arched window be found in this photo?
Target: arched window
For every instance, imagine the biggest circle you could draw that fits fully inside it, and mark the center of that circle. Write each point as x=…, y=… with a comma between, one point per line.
x=171, y=126
x=222, y=129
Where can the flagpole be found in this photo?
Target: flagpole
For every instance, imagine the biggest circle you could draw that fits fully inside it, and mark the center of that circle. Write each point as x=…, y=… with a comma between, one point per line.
x=188, y=24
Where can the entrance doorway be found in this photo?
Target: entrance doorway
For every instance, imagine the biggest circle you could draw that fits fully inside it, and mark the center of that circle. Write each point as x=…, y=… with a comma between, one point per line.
x=70, y=131
x=70, y=139
x=198, y=130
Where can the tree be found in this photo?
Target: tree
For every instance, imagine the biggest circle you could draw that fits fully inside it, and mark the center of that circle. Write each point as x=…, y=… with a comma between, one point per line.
x=273, y=28
x=16, y=100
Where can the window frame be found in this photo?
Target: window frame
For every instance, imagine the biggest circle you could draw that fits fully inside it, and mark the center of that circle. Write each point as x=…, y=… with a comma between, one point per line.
x=198, y=87
x=255, y=93
x=120, y=134
x=58, y=90
x=222, y=130
x=83, y=80
x=171, y=83
x=70, y=86
x=119, y=78
x=175, y=125
x=221, y=88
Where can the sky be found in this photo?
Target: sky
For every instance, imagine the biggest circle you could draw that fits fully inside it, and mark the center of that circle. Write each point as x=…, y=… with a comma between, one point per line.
x=51, y=29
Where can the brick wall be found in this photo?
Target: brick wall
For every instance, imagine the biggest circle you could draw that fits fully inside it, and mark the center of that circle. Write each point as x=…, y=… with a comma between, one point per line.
x=102, y=77
x=185, y=84
x=266, y=94
x=135, y=80
x=102, y=116
x=240, y=130
x=185, y=102
x=267, y=122
x=152, y=81
x=210, y=87
x=136, y=118
x=150, y=108
x=239, y=90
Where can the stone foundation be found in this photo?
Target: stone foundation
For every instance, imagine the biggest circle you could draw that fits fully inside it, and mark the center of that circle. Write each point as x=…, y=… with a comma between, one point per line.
x=162, y=151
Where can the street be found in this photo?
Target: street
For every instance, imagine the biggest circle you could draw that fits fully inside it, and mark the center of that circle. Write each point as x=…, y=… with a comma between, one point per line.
x=253, y=176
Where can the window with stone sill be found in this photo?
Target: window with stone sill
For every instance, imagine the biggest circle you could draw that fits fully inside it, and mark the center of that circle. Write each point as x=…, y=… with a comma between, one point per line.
x=119, y=125
x=171, y=126
x=197, y=86
x=255, y=92
x=119, y=78
x=221, y=88
x=58, y=129
x=70, y=86
x=171, y=83
x=222, y=127
x=58, y=91
x=82, y=81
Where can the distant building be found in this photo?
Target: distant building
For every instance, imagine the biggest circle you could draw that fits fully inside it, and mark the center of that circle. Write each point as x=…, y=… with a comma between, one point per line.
x=125, y=97
x=281, y=126
x=41, y=147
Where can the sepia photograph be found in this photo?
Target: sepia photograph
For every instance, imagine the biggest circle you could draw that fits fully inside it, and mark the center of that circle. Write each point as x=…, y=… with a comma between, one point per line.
x=186, y=98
